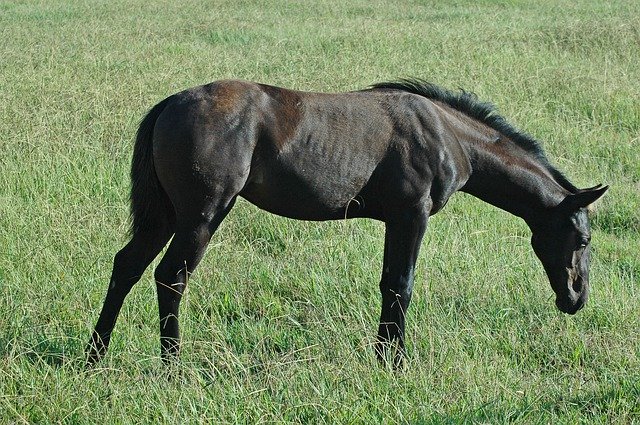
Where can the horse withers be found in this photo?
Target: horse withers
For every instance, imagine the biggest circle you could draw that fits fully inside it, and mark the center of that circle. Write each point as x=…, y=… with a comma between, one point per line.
x=394, y=152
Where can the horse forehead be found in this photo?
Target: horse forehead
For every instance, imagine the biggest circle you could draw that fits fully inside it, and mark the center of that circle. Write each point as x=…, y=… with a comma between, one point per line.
x=580, y=219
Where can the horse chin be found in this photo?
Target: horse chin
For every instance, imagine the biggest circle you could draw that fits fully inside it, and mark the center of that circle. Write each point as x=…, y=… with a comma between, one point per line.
x=573, y=292
x=568, y=306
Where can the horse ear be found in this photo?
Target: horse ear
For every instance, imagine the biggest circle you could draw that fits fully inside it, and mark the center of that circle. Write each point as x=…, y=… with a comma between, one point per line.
x=584, y=197
x=598, y=186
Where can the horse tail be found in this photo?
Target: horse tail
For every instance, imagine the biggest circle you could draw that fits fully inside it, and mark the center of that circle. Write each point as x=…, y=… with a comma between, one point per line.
x=151, y=208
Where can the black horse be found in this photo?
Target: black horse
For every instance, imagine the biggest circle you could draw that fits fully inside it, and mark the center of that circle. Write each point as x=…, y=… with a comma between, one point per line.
x=394, y=152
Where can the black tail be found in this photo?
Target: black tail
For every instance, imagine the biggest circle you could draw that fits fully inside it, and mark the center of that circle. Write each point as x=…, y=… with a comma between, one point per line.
x=151, y=209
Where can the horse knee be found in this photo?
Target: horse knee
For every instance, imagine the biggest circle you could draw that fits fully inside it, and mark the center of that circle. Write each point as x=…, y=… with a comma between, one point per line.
x=400, y=289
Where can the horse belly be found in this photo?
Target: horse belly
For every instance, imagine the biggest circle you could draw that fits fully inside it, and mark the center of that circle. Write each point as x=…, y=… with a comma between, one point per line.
x=308, y=191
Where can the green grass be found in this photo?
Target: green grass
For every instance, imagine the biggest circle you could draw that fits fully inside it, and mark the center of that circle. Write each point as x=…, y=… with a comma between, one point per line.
x=279, y=319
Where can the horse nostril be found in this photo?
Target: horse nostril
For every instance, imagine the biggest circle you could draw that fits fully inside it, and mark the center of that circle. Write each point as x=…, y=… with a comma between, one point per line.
x=577, y=286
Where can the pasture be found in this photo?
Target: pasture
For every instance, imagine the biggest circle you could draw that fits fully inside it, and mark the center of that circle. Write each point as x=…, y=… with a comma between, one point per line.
x=279, y=320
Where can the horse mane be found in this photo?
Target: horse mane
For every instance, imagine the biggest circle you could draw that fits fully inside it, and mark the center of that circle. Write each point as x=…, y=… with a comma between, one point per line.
x=485, y=112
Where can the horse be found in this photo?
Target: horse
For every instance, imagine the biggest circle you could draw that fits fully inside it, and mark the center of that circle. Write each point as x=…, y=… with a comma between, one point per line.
x=393, y=152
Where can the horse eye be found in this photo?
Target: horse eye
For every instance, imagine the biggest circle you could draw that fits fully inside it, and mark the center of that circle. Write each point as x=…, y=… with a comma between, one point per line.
x=583, y=242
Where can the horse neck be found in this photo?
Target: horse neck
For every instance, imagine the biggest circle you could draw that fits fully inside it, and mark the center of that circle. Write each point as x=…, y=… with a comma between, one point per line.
x=511, y=178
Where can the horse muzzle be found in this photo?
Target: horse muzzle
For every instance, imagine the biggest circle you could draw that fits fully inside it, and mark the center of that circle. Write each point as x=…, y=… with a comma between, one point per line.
x=575, y=297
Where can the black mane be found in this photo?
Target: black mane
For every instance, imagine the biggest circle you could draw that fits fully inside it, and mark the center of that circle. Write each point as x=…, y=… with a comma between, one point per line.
x=485, y=112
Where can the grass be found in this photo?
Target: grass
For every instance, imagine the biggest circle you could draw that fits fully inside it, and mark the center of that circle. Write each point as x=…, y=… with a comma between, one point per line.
x=279, y=319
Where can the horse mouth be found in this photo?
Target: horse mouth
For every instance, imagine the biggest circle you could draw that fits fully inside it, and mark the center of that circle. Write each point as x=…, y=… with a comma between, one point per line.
x=569, y=307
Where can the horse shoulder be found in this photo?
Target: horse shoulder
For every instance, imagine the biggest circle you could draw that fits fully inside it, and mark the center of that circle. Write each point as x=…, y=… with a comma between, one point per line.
x=435, y=151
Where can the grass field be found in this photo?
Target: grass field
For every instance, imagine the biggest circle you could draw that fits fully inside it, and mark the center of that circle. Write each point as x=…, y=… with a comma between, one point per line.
x=280, y=317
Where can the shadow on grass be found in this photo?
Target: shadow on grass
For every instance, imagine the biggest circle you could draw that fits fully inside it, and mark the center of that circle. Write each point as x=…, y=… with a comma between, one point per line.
x=55, y=352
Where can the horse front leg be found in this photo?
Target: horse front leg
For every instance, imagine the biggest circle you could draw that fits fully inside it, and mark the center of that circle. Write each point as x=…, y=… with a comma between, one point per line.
x=403, y=237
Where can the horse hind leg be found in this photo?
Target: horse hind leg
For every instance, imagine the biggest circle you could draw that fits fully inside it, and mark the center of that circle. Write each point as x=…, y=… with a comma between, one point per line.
x=128, y=266
x=185, y=251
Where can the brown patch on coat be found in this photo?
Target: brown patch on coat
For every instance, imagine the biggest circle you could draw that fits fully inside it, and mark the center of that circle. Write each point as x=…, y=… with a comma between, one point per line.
x=283, y=115
x=227, y=95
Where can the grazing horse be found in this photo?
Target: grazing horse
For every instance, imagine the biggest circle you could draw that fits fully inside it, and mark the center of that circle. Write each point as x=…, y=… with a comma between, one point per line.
x=394, y=152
